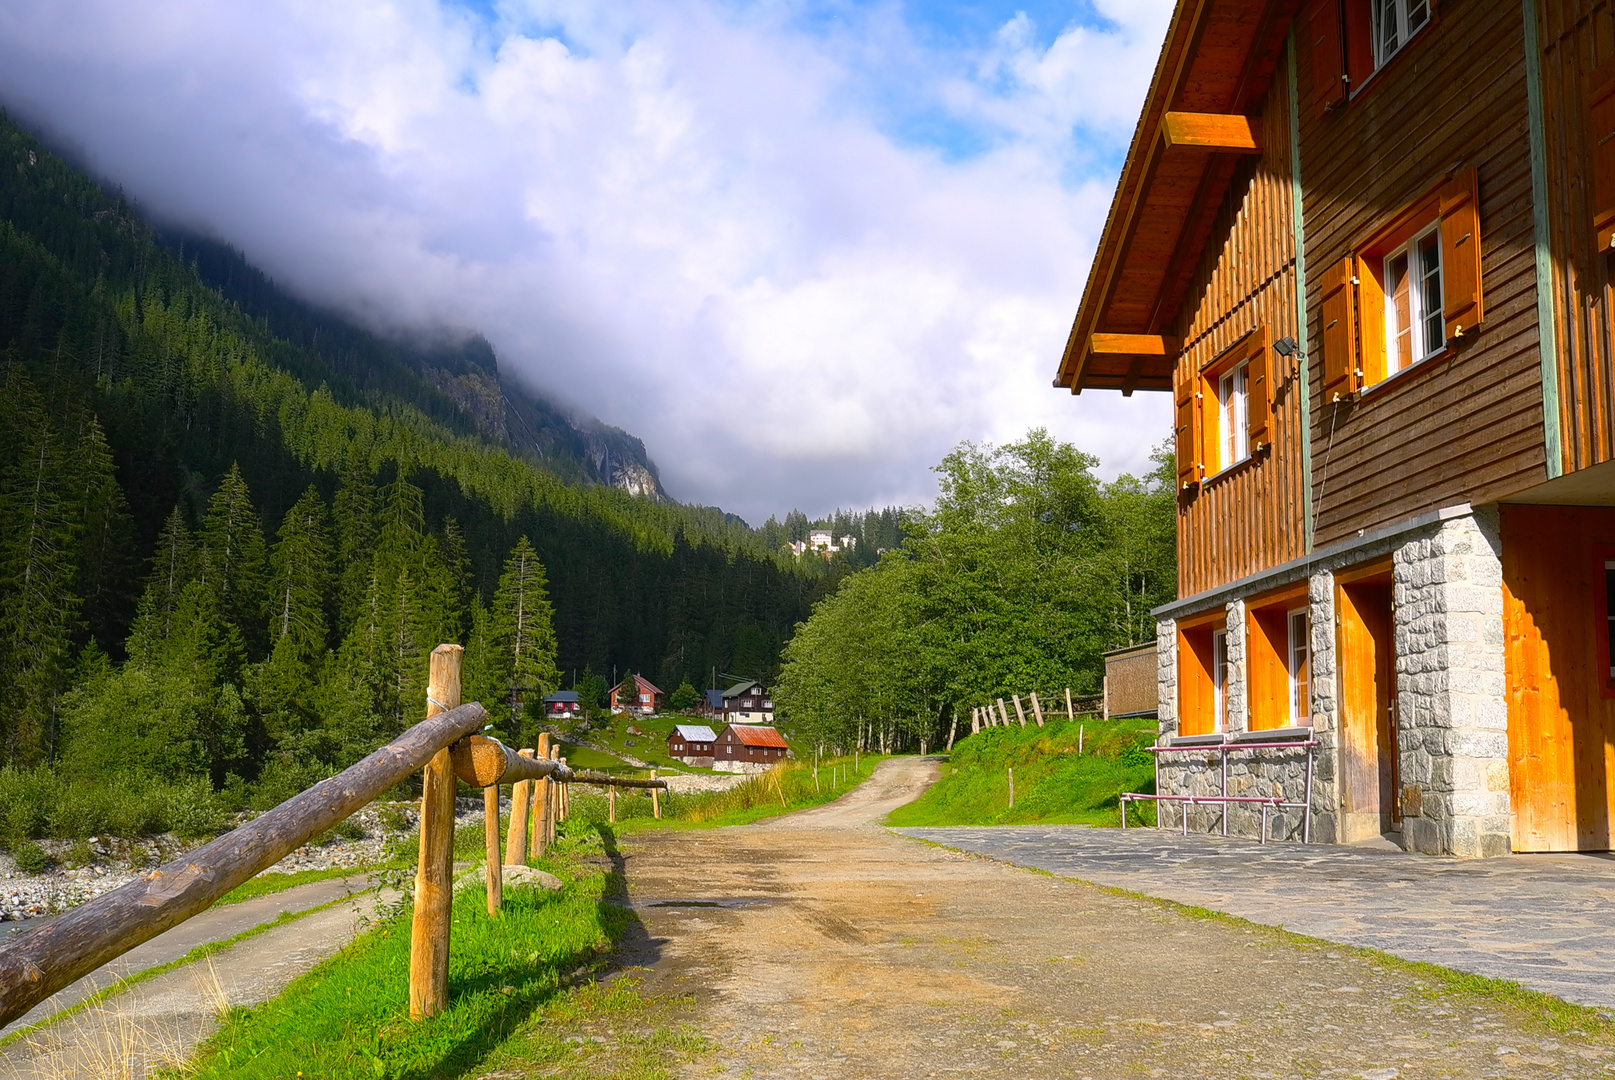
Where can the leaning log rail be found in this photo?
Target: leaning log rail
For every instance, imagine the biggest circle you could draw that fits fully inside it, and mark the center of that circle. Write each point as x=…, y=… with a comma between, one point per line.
x=35, y=965
x=446, y=747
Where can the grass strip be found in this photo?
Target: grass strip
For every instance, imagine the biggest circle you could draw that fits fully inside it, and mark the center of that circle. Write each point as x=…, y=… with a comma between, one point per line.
x=1066, y=772
x=1553, y=1013
x=267, y=884
x=201, y=952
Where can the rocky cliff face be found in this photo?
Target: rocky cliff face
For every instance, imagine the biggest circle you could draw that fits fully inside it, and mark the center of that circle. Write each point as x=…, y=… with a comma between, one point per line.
x=579, y=447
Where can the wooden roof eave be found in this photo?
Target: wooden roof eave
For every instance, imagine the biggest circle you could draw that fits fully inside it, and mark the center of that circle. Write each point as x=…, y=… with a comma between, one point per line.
x=1134, y=193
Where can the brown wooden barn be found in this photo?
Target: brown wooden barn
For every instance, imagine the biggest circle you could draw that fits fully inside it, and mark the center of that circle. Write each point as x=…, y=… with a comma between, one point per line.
x=1367, y=247
x=747, y=744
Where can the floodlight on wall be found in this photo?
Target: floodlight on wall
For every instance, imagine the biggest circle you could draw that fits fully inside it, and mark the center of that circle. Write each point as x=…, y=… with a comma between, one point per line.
x=1287, y=347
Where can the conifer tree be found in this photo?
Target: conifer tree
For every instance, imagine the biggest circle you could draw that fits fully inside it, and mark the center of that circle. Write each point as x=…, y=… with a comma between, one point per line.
x=300, y=579
x=521, y=629
x=172, y=568
x=232, y=556
x=354, y=518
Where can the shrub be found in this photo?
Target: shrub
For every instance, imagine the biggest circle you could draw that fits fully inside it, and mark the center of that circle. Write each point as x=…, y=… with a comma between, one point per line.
x=30, y=857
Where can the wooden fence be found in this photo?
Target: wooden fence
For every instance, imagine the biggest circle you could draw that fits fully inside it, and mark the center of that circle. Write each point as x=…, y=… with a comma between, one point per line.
x=996, y=714
x=447, y=746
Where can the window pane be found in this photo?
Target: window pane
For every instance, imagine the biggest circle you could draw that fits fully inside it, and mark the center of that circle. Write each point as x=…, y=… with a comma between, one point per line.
x=1398, y=314
x=1434, y=326
x=1388, y=38
x=1225, y=419
x=1241, y=414
x=1219, y=676
x=1418, y=14
x=1300, y=667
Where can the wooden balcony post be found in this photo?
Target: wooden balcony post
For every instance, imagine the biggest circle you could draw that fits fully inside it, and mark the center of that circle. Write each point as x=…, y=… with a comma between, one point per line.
x=434, y=889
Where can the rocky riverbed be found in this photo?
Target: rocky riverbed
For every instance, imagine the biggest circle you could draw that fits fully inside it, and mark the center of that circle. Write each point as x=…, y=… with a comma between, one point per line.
x=84, y=869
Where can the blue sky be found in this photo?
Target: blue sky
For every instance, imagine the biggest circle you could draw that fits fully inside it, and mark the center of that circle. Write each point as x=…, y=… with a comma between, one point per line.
x=869, y=221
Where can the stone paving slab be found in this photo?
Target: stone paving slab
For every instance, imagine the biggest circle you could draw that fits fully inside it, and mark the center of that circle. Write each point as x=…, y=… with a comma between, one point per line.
x=1545, y=921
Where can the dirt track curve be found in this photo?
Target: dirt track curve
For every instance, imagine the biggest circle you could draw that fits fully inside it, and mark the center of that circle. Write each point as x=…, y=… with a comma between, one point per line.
x=821, y=945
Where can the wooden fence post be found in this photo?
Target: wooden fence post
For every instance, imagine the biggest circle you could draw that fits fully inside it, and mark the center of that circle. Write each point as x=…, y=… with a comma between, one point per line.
x=1037, y=710
x=953, y=727
x=553, y=814
x=655, y=800
x=516, y=834
x=566, y=798
x=1070, y=713
x=1020, y=713
x=975, y=720
x=434, y=887
x=1104, y=707
x=540, y=821
x=611, y=803
x=490, y=814
x=1012, y=788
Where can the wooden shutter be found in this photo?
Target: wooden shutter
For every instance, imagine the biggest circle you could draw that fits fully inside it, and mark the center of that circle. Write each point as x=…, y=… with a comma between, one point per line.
x=1601, y=135
x=1328, y=55
x=1339, y=337
x=1460, y=254
x=1259, y=390
x=1189, y=442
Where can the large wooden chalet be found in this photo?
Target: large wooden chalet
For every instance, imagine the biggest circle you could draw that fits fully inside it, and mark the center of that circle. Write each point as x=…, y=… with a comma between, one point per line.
x=746, y=747
x=1368, y=247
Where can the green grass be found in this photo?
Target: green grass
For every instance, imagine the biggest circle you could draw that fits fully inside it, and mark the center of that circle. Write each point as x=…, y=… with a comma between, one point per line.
x=265, y=884
x=349, y=1016
x=782, y=790
x=581, y=757
x=1053, y=782
x=201, y=952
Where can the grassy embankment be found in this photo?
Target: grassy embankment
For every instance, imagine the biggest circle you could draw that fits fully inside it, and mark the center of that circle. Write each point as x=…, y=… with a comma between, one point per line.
x=1054, y=783
x=522, y=995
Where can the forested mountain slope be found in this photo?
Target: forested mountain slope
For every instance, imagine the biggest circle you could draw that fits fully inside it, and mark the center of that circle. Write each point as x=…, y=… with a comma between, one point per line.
x=231, y=525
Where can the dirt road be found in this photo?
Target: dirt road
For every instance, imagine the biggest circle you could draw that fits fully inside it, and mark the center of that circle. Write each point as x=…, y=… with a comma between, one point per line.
x=823, y=945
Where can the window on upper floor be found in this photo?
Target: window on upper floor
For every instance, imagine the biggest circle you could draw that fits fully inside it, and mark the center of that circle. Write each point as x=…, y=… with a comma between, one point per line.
x=1394, y=22
x=1407, y=294
x=1224, y=412
x=1233, y=415
x=1350, y=40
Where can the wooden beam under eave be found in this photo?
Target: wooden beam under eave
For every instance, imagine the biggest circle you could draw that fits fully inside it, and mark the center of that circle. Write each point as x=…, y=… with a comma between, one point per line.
x=1134, y=345
x=1211, y=131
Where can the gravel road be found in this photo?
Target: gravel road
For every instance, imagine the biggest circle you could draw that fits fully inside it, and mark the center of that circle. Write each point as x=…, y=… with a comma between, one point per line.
x=824, y=945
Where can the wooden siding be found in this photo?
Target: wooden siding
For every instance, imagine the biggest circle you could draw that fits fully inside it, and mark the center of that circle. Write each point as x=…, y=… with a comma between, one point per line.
x=1561, y=730
x=1577, y=37
x=1466, y=426
x=1248, y=518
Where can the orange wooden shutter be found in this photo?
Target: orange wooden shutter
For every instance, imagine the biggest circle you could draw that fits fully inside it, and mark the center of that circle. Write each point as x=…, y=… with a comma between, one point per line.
x=1339, y=337
x=1188, y=433
x=1460, y=254
x=1601, y=135
x=1328, y=56
x=1259, y=391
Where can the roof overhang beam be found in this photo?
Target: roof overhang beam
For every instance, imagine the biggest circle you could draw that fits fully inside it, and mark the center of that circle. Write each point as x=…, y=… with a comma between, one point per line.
x=1211, y=132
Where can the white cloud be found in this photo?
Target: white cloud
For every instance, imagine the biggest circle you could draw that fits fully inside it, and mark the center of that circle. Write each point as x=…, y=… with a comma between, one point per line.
x=691, y=220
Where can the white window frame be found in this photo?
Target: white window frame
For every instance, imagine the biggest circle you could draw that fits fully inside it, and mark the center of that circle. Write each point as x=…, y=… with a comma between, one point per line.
x=1420, y=313
x=1403, y=18
x=1219, y=680
x=1299, y=653
x=1233, y=415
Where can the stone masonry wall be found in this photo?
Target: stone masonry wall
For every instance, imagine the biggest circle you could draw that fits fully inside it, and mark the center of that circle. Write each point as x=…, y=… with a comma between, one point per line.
x=1452, y=712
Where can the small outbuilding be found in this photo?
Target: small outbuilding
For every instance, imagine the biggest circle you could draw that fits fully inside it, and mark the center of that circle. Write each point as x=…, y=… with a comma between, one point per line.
x=692, y=744
x=749, y=748
x=1131, y=687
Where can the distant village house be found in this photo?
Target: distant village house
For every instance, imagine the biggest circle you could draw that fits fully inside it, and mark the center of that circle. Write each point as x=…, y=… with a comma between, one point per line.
x=747, y=748
x=647, y=701
x=561, y=705
x=748, y=703
x=692, y=744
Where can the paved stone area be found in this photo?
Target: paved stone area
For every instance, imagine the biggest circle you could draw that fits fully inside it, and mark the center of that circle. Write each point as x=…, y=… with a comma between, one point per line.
x=1546, y=921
